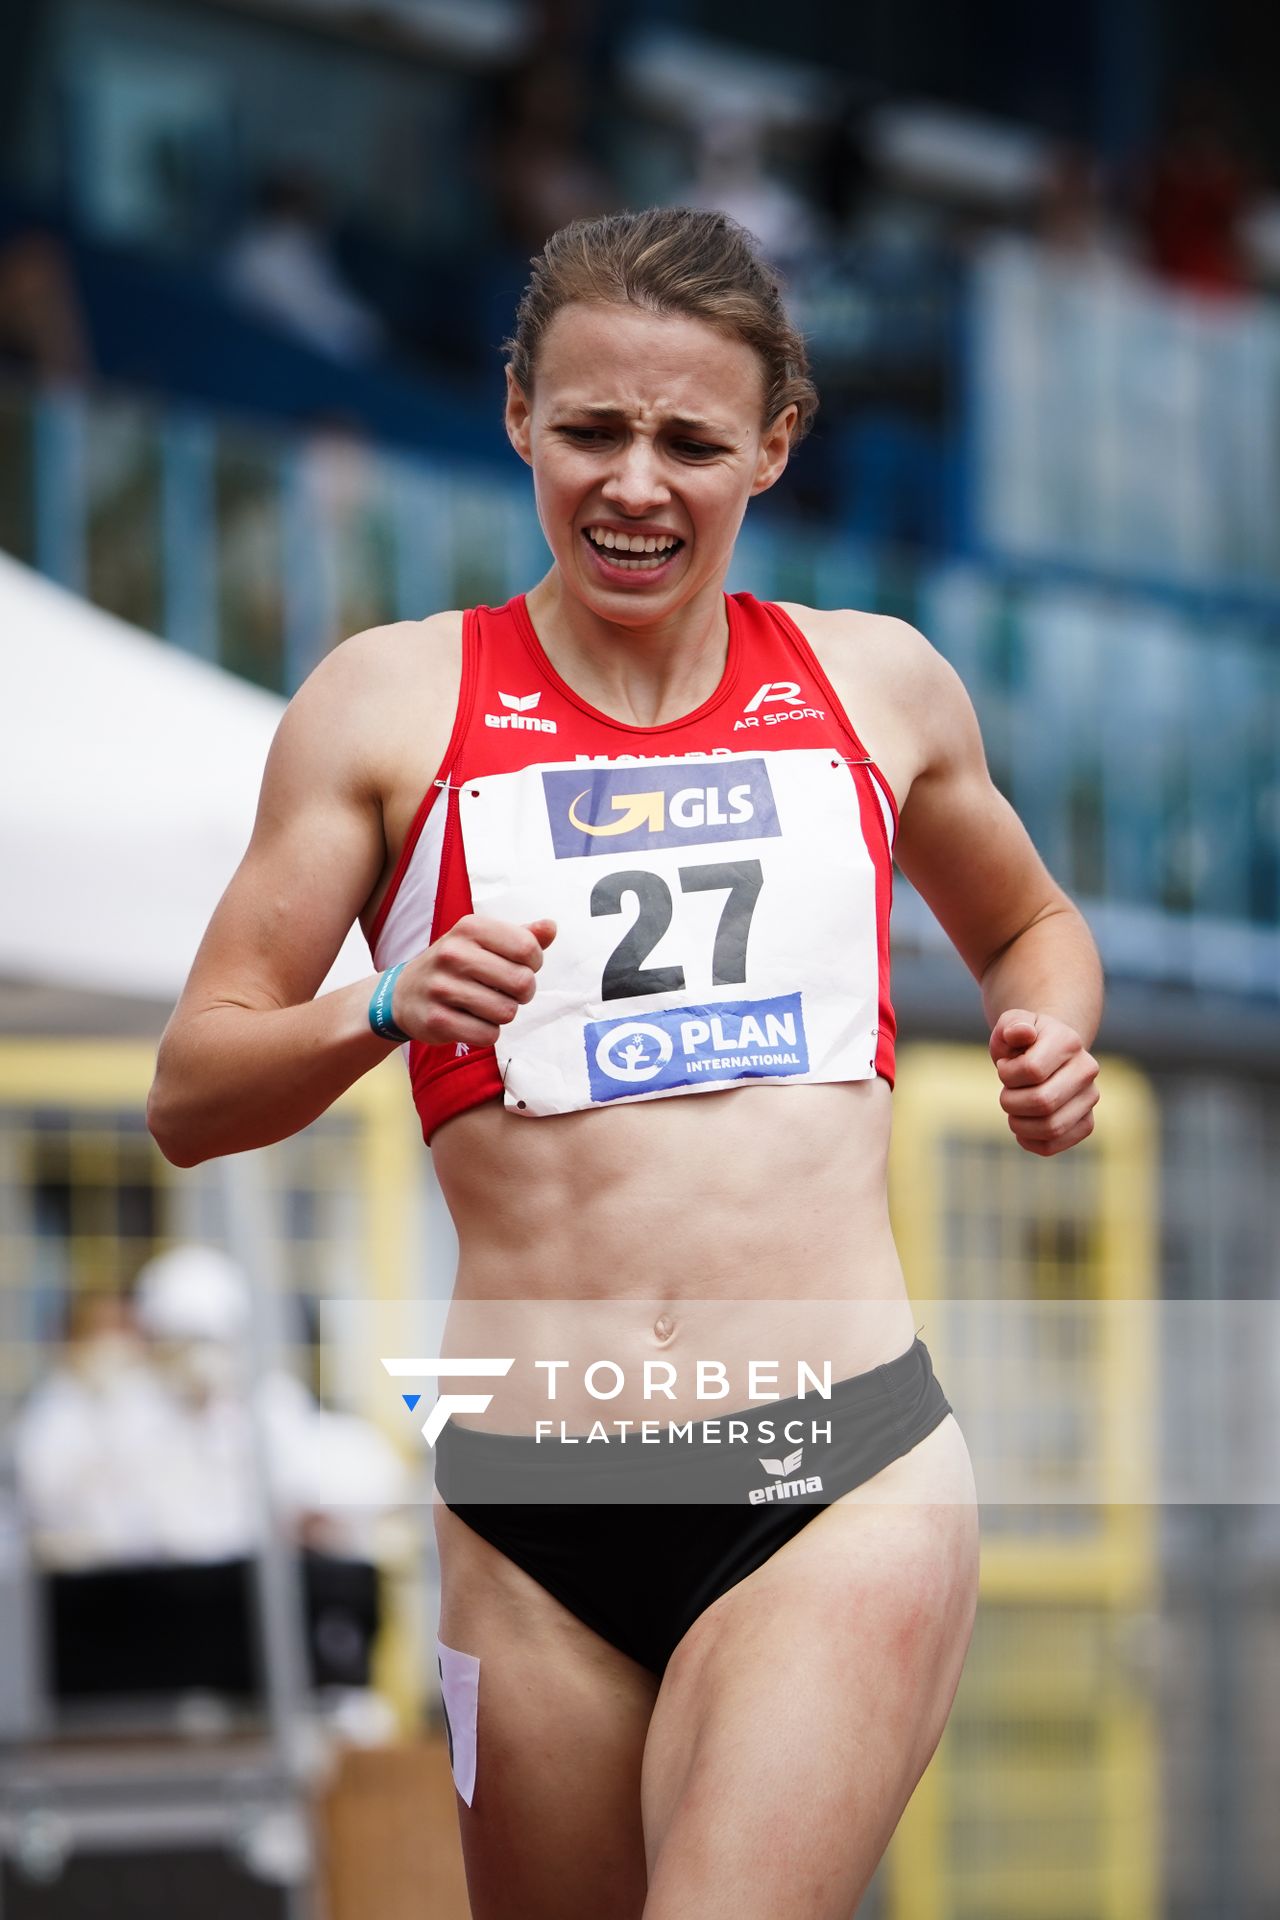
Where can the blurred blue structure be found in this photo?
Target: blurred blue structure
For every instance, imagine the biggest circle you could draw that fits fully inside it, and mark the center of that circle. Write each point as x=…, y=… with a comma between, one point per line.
x=1138, y=736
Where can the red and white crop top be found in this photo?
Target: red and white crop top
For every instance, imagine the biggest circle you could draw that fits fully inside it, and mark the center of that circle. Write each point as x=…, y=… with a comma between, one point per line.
x=721, y=884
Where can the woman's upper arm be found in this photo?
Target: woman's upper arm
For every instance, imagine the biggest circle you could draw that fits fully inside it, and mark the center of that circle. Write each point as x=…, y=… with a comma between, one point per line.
x=960, y=843
x=315, y=854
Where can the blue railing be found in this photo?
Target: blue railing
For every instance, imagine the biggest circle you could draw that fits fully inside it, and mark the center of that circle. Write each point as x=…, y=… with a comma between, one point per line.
x=1140, y=743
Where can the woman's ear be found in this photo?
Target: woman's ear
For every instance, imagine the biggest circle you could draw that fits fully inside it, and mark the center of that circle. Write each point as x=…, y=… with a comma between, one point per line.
x=775, y=447
x=517, y=418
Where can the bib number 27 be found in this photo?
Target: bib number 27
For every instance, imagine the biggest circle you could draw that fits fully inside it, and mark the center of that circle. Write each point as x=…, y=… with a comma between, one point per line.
x=625, y=973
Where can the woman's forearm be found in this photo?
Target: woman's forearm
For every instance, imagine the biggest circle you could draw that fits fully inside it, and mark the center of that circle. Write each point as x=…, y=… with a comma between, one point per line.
x=1052, y=967
x=229, y=1077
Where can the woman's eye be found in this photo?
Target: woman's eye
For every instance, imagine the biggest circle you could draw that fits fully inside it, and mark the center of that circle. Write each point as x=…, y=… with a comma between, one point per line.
x=695, y=449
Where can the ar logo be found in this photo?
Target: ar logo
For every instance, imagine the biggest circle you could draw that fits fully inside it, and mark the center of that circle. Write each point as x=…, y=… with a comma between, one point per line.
x=773, y=691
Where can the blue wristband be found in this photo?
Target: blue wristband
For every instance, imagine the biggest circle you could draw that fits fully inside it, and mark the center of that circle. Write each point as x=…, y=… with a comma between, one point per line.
x=380, y=1018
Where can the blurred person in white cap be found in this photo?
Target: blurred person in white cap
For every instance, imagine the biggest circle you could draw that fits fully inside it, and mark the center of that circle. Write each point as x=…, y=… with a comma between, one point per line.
x=84, y=1439
x=329, y=1473
x=139, y=1446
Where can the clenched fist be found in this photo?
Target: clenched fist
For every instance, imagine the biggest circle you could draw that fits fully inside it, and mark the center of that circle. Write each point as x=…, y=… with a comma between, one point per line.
x=471, y=981
x=1049, y=1080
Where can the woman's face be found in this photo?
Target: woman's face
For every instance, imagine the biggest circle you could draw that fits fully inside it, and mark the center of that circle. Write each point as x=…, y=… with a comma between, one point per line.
x=644, y=434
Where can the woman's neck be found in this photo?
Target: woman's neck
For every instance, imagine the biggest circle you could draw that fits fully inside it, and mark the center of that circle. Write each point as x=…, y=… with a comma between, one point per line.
x=643, y=675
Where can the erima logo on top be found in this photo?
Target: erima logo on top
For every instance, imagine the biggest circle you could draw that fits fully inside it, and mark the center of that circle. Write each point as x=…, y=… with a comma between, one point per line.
x=519, y=715
x=621, y=809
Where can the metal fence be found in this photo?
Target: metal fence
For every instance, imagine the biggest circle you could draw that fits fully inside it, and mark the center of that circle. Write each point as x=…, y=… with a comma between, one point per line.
x=1140, y=742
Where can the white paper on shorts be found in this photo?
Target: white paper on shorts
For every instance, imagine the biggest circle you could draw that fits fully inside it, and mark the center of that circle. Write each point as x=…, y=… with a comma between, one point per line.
x=460, y=1689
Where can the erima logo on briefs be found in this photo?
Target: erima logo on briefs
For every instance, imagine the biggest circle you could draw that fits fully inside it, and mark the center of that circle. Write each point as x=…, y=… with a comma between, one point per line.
x=625, y=809
x=789, y=1464
x=519, y=715
x=684, y=1046
x=413, y=1368
x=786, y=695
x=789, y=1483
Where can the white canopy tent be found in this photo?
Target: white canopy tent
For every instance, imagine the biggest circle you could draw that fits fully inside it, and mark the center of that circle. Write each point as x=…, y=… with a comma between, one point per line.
x=129, y=775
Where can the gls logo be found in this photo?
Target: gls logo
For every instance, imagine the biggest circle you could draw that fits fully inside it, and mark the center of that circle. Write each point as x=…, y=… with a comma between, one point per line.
x=416, y=1369
x=519, y=715
x=618, y=809
x=785, y=1487
x=784, y=694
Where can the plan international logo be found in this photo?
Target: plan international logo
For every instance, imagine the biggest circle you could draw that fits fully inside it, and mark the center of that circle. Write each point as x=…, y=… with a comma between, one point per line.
x=678, y=1046
x=634, y=809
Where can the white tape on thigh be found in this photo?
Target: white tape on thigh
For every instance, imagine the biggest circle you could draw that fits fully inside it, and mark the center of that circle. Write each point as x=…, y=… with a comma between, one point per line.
x=460, y=1690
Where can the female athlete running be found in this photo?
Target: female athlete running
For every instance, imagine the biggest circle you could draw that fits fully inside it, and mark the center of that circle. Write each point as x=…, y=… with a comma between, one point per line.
x=622, y=850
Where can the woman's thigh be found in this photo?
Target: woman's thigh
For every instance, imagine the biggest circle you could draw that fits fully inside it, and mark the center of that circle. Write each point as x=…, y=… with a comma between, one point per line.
x=553, y=1831
x=799, y=1711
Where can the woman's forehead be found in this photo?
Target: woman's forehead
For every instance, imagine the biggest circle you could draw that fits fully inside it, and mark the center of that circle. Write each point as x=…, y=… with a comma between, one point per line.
x=626, y=357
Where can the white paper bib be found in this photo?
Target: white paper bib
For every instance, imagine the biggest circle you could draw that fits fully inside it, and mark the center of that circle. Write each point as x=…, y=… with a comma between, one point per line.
x=716, y=923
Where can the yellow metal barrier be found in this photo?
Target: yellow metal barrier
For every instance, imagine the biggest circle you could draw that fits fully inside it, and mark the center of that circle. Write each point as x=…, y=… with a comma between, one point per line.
x=1041, y=1802
x=86, y=1198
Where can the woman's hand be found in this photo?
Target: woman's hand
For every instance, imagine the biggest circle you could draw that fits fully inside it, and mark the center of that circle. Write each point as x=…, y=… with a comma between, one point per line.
x=1049, y=1080
x=471, y=981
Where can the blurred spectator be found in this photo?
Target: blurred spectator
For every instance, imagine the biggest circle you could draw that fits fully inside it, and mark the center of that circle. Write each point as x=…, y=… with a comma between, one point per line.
x=1193, y=195
x=730, y=174
x=345, y=489
x=839, y=165
x=85, y=1436
x=42, y=327
x=144, y=1450
x=543, y=173
x=283, y=267
x=1075, y=222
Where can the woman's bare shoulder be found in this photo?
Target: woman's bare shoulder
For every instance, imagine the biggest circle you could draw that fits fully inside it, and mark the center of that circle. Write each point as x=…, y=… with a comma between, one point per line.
x=387, y=693
x=851, y=636
x=428, y=649
x=890, y=681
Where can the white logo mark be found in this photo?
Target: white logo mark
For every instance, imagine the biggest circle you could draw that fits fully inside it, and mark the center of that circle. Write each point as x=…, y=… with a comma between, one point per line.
x=415, y=1369
x=518, y=715
x=773, y=690
x=782, y=1468
x=622, y=1053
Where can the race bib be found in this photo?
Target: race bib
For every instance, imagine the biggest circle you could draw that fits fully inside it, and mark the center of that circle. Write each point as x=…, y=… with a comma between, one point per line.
x=716, y=923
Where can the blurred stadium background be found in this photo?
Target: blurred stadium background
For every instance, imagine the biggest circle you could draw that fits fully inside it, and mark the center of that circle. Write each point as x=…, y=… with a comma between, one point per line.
x=256, y=261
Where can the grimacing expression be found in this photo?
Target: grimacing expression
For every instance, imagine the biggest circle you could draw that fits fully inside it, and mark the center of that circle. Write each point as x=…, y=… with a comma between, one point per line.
x=646, y=437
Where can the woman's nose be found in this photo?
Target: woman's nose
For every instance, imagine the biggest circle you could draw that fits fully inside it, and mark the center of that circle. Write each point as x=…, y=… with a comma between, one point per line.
x=636, y=483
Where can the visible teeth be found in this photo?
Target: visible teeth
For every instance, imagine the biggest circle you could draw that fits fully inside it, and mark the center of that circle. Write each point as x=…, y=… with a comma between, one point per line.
x=631, y=542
